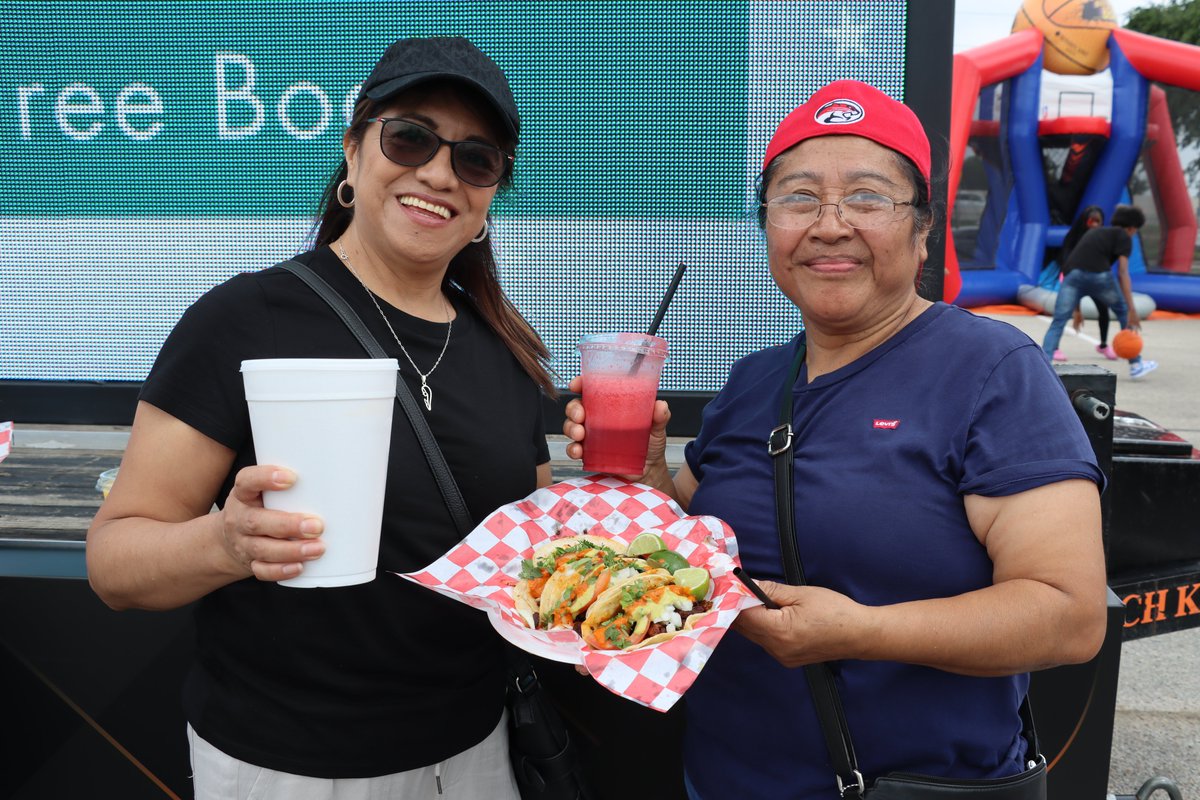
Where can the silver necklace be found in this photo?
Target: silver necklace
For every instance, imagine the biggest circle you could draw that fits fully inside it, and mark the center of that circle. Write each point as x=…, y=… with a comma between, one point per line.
x=426, y=392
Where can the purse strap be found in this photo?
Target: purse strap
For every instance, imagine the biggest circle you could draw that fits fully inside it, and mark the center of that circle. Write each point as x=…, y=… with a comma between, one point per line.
x=525, y=678
x=820, y=680
x=521, y=672
x=826, y=699
x=433, y=454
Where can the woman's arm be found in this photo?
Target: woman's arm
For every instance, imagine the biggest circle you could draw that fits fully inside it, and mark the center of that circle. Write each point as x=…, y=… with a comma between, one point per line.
x=680, y=486
x=1046, y=605
x=685, y=486
x=157, y=542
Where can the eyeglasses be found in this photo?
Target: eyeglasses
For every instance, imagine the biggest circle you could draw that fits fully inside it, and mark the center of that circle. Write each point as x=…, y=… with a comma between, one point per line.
x=410, y=144
x=862, y=210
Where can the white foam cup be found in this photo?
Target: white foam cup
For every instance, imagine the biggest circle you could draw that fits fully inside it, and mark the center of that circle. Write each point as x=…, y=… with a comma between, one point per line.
x=329, y=420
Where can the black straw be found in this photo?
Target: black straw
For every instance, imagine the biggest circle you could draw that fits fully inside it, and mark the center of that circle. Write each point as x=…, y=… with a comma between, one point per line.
x=658, y=315
x=754, y=587
x=666, y=301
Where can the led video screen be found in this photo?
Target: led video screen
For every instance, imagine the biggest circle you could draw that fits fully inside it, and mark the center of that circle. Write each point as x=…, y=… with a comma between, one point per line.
x=151, y=150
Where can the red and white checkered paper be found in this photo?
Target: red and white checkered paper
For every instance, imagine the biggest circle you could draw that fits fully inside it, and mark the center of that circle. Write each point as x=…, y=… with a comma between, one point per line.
x=6, y=429
x=482, y=569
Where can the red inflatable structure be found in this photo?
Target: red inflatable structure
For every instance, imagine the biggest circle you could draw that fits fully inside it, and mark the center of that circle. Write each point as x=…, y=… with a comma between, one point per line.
x=996, y=108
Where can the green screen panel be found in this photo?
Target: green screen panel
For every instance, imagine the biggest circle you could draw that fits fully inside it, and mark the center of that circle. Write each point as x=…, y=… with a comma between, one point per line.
x=151, y=150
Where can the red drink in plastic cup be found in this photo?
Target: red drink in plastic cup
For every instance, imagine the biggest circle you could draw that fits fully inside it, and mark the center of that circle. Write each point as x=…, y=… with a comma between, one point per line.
x=620, y=380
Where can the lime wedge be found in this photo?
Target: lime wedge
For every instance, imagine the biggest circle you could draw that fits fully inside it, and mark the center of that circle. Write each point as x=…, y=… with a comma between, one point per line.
x=644, y=544
x=668, y=560
x=696, y=580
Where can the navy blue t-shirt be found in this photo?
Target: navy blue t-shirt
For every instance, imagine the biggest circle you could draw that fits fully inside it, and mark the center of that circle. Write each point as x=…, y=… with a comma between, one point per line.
x=886, y=447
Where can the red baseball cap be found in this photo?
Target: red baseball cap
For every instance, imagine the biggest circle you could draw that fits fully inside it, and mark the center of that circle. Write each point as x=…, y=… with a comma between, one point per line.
x=854, y=108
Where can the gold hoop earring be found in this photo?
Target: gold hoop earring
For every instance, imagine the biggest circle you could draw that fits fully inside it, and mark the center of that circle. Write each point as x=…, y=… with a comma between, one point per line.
x=341, y=201
x=482, y=234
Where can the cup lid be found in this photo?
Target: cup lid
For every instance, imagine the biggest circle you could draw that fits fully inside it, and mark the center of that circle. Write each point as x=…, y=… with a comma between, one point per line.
x=320, y=364
x=626, y=342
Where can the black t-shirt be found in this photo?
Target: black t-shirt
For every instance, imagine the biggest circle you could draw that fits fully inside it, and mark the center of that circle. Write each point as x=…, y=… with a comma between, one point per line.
x=1098, y=249
x=385, y=676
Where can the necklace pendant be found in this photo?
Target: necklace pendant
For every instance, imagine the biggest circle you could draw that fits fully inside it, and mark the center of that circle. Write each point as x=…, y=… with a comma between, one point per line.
x=426, y=392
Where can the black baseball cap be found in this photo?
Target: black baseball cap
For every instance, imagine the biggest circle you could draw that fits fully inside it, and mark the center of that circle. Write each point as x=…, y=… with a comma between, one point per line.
x=410, y=62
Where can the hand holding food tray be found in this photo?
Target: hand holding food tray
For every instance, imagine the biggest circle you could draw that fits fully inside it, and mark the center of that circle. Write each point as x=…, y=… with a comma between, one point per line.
x=652, y=659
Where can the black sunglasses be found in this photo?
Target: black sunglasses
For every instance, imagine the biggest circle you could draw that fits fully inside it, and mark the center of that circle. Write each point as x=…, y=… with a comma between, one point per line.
x=410, y=144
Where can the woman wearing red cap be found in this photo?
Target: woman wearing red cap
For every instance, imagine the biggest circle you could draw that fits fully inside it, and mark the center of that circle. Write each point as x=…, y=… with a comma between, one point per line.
x=946, y=498
x=382, y=689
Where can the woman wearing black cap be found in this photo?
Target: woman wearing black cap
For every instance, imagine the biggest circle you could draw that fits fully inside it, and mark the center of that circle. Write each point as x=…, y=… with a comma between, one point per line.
x=383, y=689
x=943, y=496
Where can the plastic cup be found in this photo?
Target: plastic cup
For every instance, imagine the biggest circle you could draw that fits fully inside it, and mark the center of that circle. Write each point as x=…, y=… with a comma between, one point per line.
x=620, y=374
x=329, y=420
x=105, y=481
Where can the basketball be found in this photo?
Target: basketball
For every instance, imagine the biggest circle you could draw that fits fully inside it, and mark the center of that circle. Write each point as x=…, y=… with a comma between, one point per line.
x=1127, y=343
x=1075, y=31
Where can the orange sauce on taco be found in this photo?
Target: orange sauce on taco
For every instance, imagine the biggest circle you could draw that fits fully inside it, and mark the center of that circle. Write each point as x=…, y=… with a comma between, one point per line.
x=595, y=581
x=537, y=585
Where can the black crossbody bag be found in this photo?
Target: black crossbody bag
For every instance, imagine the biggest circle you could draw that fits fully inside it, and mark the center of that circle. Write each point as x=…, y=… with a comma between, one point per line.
x=539, y=744
x=1027, y=785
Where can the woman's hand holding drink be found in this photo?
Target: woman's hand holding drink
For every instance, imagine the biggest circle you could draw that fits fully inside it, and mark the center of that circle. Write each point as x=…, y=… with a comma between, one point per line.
x=619, y=380
x=618, y=426
x=271, y=545
x=576, y=427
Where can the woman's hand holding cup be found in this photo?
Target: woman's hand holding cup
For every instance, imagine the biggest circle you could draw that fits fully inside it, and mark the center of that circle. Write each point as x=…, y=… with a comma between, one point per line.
x=656, y=470
x=270, y=545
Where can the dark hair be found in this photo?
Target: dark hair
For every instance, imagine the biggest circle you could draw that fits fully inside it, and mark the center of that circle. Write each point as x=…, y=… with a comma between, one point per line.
x=473, y=271
x=1078, y=228
x=923, y=212
x=1127, y=217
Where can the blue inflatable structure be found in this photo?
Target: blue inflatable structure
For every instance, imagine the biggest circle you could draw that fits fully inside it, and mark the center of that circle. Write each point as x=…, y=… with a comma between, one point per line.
x=1016, y=230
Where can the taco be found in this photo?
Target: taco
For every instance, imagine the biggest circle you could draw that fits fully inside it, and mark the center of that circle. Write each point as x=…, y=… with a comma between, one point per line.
x=565, y=576
x=641, y=611
x=547, y=560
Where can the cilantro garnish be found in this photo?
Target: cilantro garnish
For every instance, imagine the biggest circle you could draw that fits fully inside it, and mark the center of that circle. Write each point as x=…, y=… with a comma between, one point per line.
x=631, y=593
x=615, y=636
x=530, y=570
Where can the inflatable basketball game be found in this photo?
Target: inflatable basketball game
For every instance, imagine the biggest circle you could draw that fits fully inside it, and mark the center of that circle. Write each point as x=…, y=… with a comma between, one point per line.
x=1067, y=111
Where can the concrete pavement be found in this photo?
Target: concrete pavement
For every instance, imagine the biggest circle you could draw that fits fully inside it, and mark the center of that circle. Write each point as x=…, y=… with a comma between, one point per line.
x=1157, y=728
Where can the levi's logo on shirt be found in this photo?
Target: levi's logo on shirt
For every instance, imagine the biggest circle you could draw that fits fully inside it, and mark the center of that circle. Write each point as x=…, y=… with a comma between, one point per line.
x=886, y=424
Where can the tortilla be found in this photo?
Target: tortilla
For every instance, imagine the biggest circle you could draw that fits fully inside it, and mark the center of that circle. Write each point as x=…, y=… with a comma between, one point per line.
x=609, y=603
x=564, y=542
x=688, y=624
x=529, y=597
x=525, y=603
x=608, y=606
x=569, y=592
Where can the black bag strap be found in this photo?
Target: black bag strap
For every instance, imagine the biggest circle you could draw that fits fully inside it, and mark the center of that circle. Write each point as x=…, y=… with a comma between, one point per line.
x=821, y=684
x=820, y=680
x=553, y=768
x=433, y=454
x=526, y=680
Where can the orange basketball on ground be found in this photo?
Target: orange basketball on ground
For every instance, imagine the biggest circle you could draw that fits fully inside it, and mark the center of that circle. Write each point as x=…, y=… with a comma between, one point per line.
x=1127, y=344
x=1076, y=33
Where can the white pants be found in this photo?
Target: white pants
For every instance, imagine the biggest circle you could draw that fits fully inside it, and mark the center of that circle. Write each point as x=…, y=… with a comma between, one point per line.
x=481, y=773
